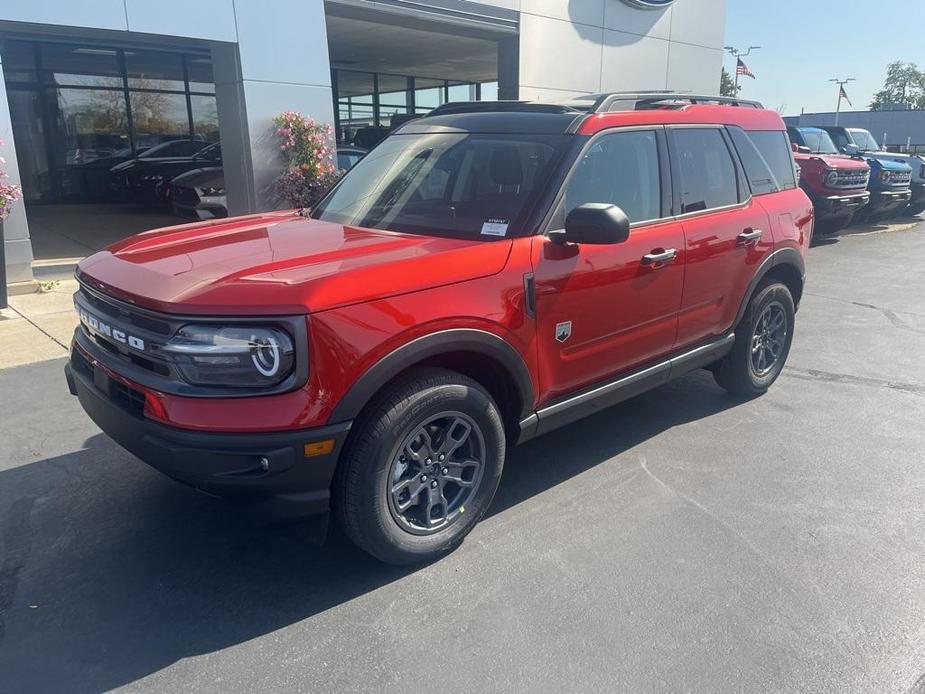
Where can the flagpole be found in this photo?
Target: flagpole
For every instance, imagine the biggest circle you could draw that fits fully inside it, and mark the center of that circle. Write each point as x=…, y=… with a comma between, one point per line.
x=739, y=53
x=841, y=90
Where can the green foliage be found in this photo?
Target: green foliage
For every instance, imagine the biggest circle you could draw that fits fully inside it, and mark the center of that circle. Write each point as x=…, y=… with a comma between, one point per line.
x=904, y=87
x=727, y=85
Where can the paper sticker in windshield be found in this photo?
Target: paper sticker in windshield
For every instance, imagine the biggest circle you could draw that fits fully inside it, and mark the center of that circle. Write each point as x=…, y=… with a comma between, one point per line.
x=495, y=227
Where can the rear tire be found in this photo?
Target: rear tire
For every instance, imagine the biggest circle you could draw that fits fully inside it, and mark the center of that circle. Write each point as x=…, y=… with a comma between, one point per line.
x=762, y=342
x=394, y=495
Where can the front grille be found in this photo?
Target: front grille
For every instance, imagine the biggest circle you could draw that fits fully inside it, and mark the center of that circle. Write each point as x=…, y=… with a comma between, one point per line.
x=128, y=399
x=901, y=179
x=856, y=178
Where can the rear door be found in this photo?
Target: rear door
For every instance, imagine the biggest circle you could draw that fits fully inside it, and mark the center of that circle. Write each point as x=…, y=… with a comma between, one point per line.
x=603, y=309
x=726, y=232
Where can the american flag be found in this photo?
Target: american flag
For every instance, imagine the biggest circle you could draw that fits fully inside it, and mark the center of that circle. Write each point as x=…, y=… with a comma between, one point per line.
x=742, y=69
x=842, y=94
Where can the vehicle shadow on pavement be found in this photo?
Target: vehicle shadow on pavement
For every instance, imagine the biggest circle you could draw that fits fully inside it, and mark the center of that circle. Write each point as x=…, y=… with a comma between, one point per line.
x=110, y=572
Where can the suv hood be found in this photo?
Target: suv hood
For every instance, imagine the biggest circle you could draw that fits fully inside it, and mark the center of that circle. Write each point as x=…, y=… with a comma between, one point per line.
x=833, y=161
x=280, y=263
x=886, y=161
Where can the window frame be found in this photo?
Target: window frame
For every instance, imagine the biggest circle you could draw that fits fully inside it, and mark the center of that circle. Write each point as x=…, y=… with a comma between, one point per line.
x=767, y=166
x=743, y=191
x=796, y=178
x=555, y=218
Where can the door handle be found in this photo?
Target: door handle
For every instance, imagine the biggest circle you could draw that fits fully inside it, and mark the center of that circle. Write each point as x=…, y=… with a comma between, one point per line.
x=658, y=257
x=749, y=235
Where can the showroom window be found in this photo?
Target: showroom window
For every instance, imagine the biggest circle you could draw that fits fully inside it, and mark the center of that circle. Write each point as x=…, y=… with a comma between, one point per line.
x=368, y=104
x=78, y=110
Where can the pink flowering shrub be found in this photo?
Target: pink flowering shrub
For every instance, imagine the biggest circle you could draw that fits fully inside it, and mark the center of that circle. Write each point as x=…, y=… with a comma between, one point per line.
x=311, y=159
x=9, y=193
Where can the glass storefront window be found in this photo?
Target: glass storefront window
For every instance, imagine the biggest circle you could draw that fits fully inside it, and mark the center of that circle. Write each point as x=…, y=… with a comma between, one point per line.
x=81, y=66
x=92, y=124
x=205, y=118
x=159, y=117
x=428, y=94
x=154, y=70
x=199, y=72
x=461, y=92
x=489, y=91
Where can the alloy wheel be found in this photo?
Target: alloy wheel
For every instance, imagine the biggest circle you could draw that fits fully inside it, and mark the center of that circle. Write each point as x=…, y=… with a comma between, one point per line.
x=437, y=469
x=769, y=338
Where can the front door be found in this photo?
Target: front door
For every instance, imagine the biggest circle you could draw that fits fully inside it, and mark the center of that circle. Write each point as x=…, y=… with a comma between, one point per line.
x=603, y=309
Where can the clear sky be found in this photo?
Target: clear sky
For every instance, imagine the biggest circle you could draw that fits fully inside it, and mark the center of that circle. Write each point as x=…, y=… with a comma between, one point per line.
x=807, y=42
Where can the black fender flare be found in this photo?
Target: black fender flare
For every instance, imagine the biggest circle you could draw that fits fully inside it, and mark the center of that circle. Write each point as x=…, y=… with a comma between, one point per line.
x=433, y=345
x=784, y=256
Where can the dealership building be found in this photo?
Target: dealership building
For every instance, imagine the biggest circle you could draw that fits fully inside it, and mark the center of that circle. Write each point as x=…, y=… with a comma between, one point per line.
x=87, y=85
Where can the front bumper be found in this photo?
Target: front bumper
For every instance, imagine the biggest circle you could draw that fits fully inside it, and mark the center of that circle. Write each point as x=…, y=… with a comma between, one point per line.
x=838, y=206
x=883, y=202
x=270, y=471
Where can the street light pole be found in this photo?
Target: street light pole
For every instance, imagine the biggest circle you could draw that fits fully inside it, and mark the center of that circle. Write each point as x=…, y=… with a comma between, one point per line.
x=739, y=53
x=841, y=87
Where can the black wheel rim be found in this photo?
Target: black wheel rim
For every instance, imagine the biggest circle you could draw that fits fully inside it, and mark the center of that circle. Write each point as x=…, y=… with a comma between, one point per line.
x=769, y=339
x=436, y=471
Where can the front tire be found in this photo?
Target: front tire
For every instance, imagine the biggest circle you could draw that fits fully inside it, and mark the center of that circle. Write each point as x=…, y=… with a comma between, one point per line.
x=762, y=342
x=421, y=468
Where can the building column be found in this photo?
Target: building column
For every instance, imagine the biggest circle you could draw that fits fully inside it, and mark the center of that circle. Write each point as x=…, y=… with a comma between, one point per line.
x=509, y=68
x=17, y=246
x=280, y=63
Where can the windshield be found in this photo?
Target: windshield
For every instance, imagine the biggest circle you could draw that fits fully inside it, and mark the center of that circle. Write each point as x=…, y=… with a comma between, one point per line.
x=864, y=140
x=463, y=185
x=819, y=142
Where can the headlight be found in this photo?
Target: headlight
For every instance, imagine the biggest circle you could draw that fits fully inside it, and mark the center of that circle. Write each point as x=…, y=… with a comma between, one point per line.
x=885, y=177
x=211, y=191
x=831, y=178
x=240, y=356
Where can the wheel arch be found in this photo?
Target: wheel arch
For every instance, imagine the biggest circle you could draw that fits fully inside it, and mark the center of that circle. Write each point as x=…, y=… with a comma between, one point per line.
x=785, y=265
x=483, y=356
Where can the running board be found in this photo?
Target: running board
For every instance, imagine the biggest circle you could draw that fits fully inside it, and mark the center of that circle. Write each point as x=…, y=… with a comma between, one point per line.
x=604, y=395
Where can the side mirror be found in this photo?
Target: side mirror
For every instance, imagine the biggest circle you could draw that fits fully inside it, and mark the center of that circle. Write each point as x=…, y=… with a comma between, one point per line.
x=852, y=150
x=594, y=223
x=802, y=149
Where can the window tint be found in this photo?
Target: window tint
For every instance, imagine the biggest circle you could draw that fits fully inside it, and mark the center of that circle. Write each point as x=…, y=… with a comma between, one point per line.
x=775, y=148
x=841, y=140
x=708, y=175
x=622, y=169
x=759, y=174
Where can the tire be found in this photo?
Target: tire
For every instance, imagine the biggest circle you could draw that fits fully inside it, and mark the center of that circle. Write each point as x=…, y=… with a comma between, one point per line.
x=379, y=458
x=738, y=372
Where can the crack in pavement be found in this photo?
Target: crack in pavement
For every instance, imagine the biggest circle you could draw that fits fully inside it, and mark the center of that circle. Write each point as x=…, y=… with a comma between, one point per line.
x=831, y=377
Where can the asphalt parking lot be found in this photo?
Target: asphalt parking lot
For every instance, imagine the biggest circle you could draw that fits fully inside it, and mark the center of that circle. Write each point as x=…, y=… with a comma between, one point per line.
x=682, y=541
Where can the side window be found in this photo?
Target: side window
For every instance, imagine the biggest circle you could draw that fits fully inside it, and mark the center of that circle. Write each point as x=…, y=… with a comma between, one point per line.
x=757, y=170
x=841, y=140
x=707, y=172
x=775, y=148
x=622, y=169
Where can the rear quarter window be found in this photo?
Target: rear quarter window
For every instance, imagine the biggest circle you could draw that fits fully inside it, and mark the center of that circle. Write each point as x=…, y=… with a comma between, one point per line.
x=760, y=177
x=774, y=146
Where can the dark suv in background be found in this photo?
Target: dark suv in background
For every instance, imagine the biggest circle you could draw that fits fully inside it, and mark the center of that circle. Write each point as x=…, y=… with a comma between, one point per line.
x=146, y=178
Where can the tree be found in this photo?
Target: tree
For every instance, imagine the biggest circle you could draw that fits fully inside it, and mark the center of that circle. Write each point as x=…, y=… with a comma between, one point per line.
x=727, y=85
x=904, y=87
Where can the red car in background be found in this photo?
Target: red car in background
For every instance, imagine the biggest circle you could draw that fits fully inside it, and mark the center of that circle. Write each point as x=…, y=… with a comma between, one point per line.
x=837, y=184
x=495, y=271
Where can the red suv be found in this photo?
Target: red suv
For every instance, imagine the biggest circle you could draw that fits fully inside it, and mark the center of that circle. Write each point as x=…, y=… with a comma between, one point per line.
x=488, y=273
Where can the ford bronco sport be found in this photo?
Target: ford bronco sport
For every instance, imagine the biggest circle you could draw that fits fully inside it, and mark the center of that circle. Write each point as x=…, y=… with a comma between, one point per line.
x=486, y=274
x=836, y=184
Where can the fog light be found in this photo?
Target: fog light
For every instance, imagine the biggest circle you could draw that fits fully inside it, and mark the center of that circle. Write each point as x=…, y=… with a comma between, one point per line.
x=316, y=448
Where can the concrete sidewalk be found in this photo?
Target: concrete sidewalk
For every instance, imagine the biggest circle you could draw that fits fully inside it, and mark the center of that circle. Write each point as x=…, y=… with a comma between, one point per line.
x=38, y=326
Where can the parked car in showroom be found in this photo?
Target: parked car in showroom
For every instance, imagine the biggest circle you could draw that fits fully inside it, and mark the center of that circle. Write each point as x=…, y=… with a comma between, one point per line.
x=146, y=178
x=836, y=184
x=494, y=272
x=891, y=179
x=200, y=193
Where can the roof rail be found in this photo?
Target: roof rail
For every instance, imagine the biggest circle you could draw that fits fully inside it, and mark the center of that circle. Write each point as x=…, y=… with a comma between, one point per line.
x=500, y=106
x=641, y=101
